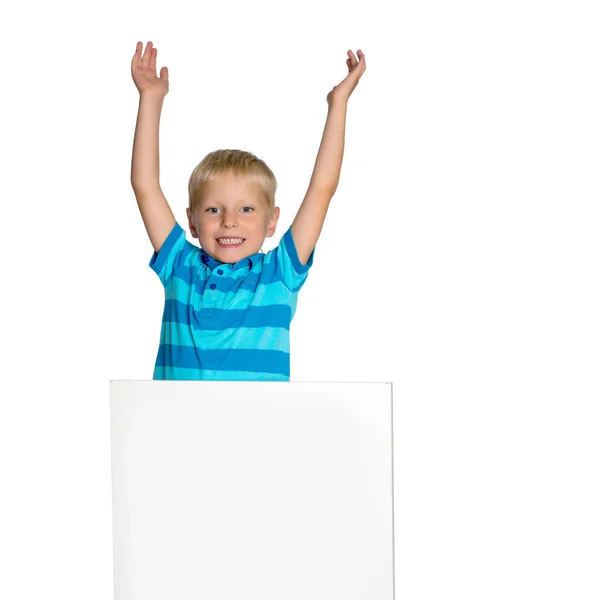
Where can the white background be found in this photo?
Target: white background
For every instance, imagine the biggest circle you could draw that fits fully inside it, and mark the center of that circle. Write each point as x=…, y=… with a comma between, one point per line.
x=459, y=259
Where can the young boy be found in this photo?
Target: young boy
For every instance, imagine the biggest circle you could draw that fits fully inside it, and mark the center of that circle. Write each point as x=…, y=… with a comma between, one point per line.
x=228, y=307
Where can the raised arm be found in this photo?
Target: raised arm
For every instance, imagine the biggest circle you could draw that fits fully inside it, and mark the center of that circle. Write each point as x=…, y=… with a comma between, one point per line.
x=310, y=217
x=155, y=210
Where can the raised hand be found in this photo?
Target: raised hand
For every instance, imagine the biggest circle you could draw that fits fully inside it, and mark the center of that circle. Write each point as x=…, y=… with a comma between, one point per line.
x=356, y=68
x=143, y=71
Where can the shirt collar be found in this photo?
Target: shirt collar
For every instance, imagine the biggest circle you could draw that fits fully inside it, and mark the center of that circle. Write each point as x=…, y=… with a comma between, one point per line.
x=213, y=263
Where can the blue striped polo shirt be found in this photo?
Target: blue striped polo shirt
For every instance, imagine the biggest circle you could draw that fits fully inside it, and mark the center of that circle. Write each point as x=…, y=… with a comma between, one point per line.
x=226, y=321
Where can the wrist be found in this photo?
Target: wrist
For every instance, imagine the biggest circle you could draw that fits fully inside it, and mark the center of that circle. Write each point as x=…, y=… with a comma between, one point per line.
x=337, y=102
x=151, y=97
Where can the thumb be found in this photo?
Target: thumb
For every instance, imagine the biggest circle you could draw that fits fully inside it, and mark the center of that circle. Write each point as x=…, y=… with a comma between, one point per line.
x=164, y=73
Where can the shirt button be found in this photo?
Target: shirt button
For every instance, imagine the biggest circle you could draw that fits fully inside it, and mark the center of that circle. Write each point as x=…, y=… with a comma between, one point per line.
x=212, y=286
x=220, y=271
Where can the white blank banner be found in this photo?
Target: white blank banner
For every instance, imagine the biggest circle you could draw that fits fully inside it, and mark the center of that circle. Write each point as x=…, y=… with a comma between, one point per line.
x=252, y=490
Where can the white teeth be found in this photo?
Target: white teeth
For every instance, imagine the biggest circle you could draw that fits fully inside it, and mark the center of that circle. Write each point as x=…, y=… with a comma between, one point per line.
x=230, y=241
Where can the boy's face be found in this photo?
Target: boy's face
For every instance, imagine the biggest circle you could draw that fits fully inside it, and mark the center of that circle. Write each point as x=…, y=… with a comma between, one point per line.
x=232, y=207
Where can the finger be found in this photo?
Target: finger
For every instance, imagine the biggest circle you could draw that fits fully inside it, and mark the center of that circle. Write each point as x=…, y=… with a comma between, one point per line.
x=146, y=57
x=353, y=61
x=153, y=59
x=137, y=56
x=362, y=64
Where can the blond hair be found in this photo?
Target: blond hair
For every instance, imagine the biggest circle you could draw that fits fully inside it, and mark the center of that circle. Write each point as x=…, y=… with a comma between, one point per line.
x=238, y=162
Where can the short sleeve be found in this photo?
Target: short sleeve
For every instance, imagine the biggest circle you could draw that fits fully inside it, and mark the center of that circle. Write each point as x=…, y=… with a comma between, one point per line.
x=288, y=265
x=168, y=257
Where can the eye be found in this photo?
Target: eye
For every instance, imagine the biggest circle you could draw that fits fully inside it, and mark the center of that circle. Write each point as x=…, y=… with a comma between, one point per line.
x=211, y=208
x=249, y=207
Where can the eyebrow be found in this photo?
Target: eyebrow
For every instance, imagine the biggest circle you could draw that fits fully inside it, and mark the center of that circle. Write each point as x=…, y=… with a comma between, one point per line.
x=211, y=202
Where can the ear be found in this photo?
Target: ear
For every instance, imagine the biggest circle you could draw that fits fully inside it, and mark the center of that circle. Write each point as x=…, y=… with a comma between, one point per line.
x=273, y=222
x=191, y=224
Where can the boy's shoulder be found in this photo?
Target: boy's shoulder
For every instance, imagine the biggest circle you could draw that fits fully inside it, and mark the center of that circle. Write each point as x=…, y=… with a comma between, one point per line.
x=178, y=254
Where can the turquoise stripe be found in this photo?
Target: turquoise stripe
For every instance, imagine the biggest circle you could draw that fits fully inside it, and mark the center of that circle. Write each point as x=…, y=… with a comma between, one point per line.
x=210, y=318
x=236, y=297
x=243, y=338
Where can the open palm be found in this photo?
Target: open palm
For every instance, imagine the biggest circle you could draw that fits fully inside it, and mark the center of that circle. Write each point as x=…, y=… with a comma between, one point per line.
x=143, y=71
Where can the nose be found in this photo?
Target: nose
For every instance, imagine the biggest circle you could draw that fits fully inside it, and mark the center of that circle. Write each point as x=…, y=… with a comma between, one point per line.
x=229, y=219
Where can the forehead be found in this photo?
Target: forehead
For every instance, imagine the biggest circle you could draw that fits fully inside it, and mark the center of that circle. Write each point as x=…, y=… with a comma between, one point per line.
x=229, y=186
